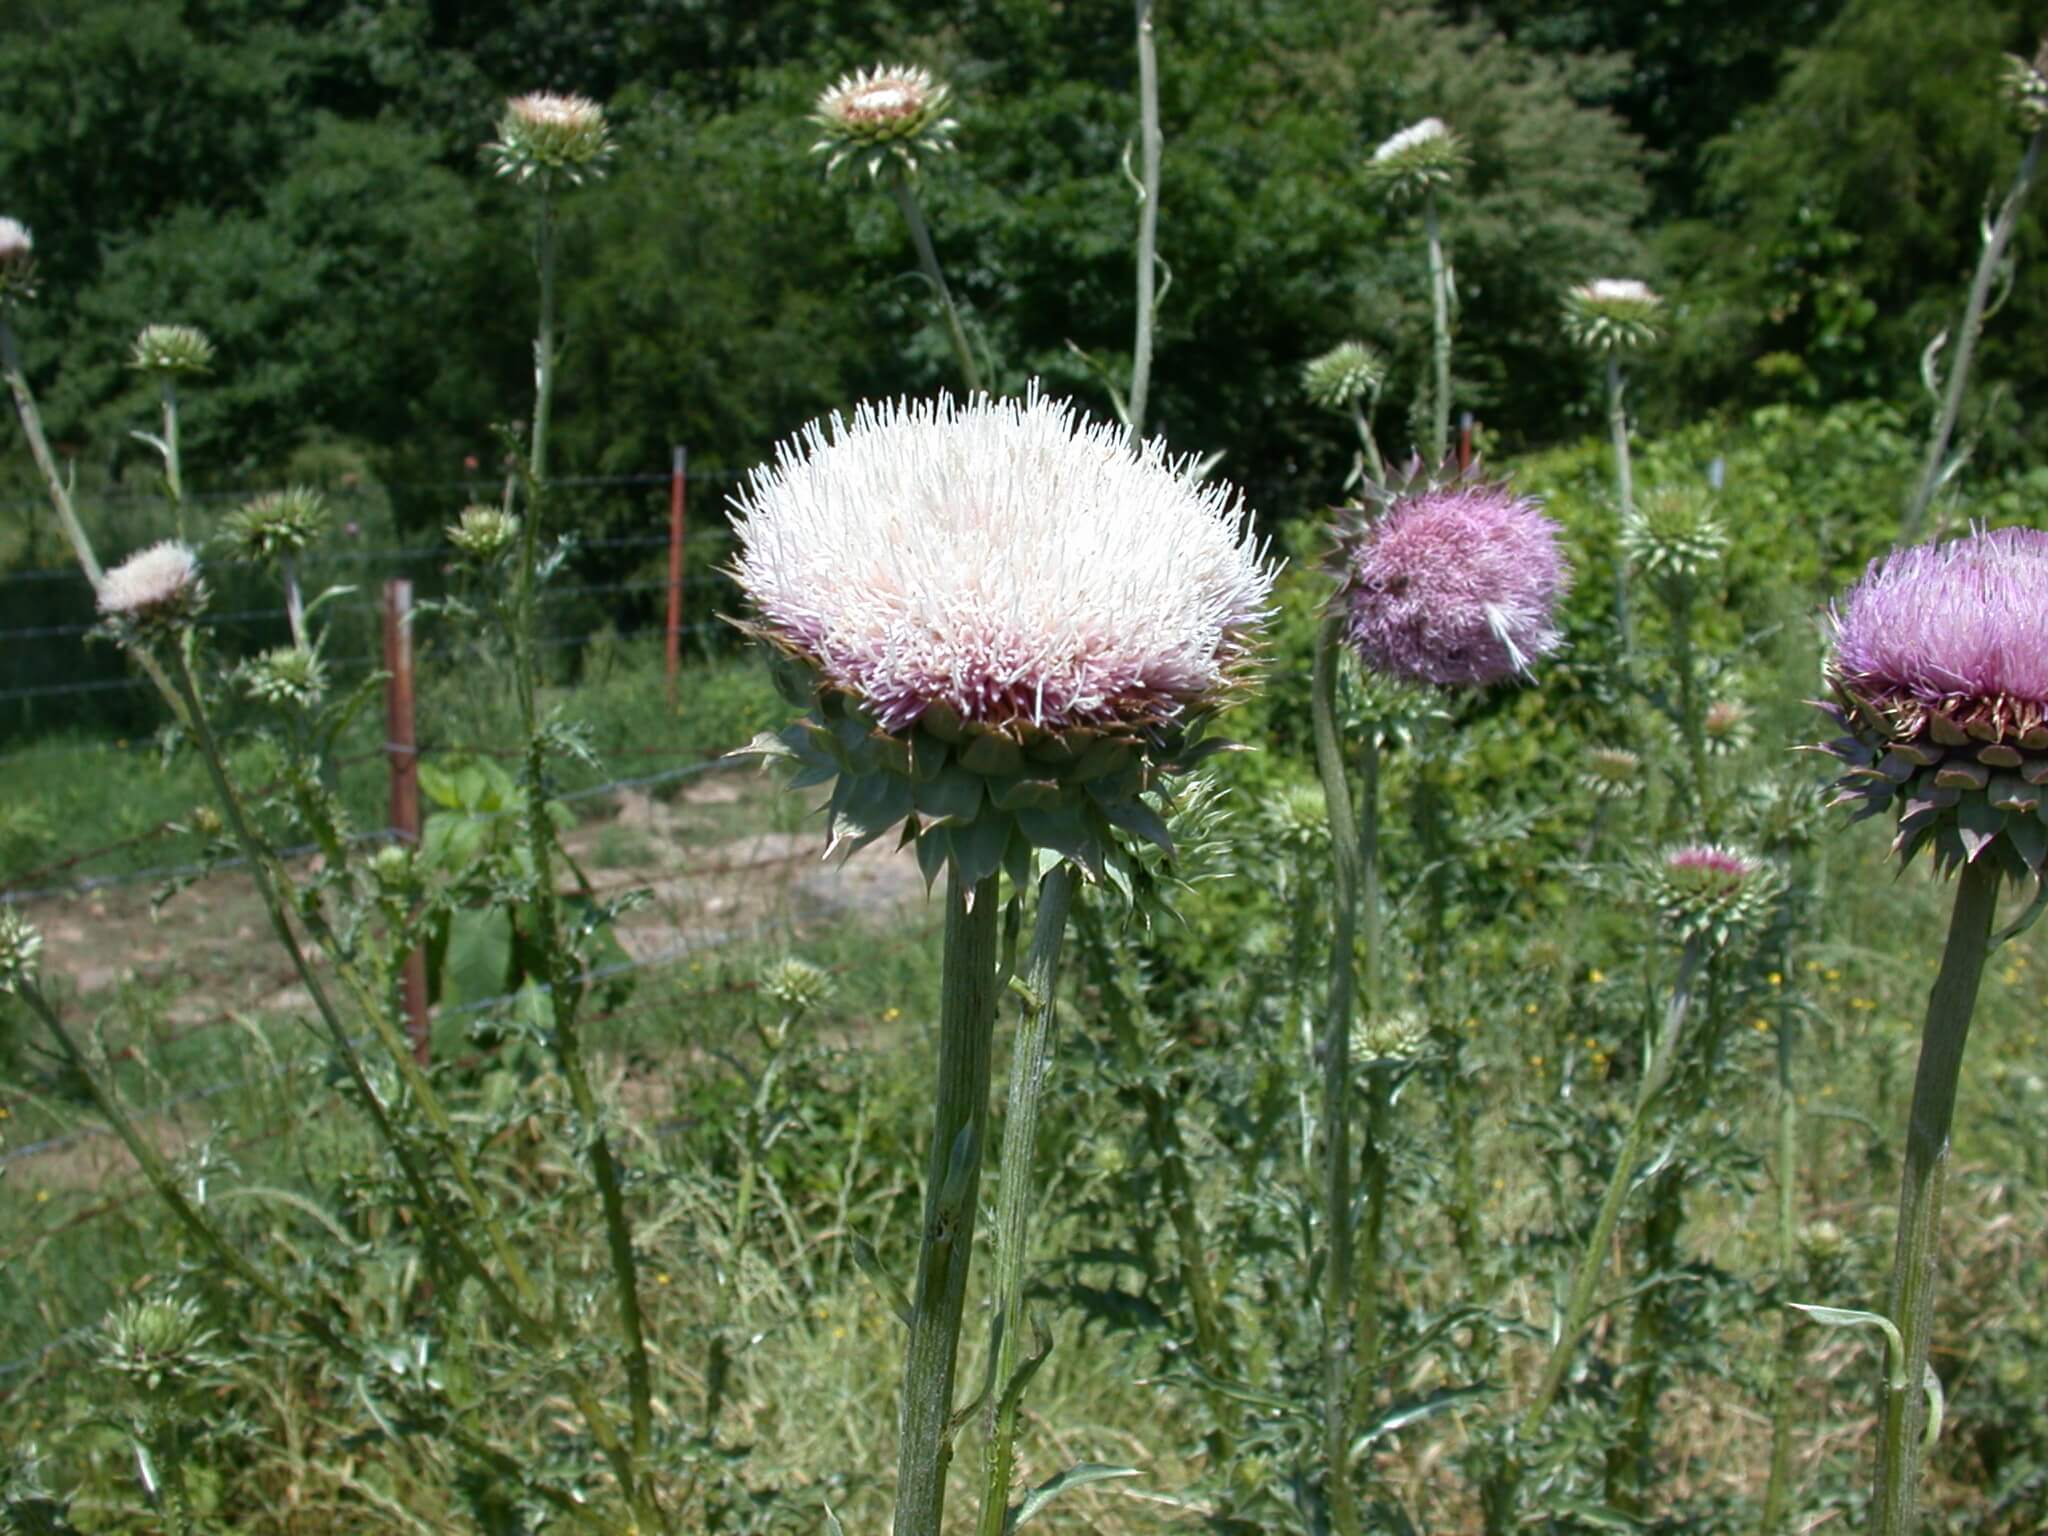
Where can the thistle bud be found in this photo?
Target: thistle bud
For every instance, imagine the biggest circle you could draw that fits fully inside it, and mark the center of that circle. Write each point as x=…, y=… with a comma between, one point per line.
x=2025, y=88
x=288, y=677
x=484, y=533
x=893, y=113
x=1709, y=892
x=1349, y=372
x=1611, y=773
x=1613, y=314
x=170, y=350
x=1389, y=1039
x=277, y=524
x=158, y=1345
x=1822, y=1242
x=544, y=135
x=155, y=592
x=1671, y=534
x=17, y=261
x=796, y=986
x=19, y=946
x=1419, y=158
x=1727, y=727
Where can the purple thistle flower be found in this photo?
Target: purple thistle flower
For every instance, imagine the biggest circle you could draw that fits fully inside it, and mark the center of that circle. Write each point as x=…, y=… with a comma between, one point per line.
x=1710, y=891
x=1455, y=585
x=1940, y=676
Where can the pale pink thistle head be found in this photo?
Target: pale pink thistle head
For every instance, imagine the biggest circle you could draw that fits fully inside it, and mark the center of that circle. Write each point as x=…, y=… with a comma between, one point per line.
x=1455, y=585
x=1709, y=891
x=157, y=588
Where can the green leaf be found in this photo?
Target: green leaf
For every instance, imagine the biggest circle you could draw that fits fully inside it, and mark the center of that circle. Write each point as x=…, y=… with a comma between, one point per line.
x=953, y=796
x=1134, y=815
x=1415, y=1411
x=478, y=963
x=1846, y=1317
x=991, y=755
x=1074, y=1477
x=832, y=1524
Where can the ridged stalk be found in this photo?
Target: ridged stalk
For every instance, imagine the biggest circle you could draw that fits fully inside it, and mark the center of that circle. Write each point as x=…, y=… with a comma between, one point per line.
x=1778, y=1490
x=39, y=450
x=928, y=262
x=1150, y=145
x=1440, y=334
x=1625, y=502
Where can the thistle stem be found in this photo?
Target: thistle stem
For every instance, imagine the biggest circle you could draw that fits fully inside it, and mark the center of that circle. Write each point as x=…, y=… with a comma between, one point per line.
x=174, y=479
x=1910, y=1297
x=1579, y=1305
x=1685, y=663
x=1336, y=1058
x=544, y=341
x=1150, y=144
x=1934, y=469
x=952, y=1176
x=1777, y=1491
x=928, y=260
x=1440, y=333
x=1030, y=1059
x=1625, y=494
x=294, y=602
x=1374, y=464
x=39, y=449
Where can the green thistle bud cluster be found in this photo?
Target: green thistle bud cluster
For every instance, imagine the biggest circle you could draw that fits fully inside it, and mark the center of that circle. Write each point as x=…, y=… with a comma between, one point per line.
x=1728, y=727
x=158, y=1345
x=2025, y=88
x=1613, y=314
x=19, y=946
x=288, y=677
x=277, y=524
x=1671, y=534
x=153, y=594
x=204, y=821
x=1389, y=1039
x=1297, y=818
x=17, y=261
x=484, y=533
x=1419, y=158
x=170, y=350
x=891, y=114
x=544, y=135
x=1708, y=892
x=1611, y=773
x=796, y=986
x=1822, y=1242
x=1349, y=372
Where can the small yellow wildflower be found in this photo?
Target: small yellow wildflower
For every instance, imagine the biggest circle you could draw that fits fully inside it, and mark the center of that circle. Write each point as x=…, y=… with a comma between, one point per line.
x=891, y=1015
x=1596, y=976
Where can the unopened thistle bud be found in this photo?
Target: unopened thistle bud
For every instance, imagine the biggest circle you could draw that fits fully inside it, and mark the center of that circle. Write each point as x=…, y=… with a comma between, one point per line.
x=19, y=946
x=17, y=261
x=484, y=533
x=893, y=113
x=1671, y=534
x=796, y=986
x=156, y=591
x=287, y=677
x=1611, y=773
x=1709, y=892
x=277, y=524
x=1727, y=727
x=1349, y=372
x=1420, y=157
x=2025, y=88
x=157, y=1344
x=1940, y=676
x=1822, y=1242
x=1613, y=314
x=170, y=350
x=1389, y=1039
x=1453, y=583
x=544, y=135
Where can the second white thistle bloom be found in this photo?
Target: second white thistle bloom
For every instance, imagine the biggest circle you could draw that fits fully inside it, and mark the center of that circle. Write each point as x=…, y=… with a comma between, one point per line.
x=157, y=588
x=1420, y=157
x=17, y=260
x=893, y=112
x=545, y=134
x=1613, y=314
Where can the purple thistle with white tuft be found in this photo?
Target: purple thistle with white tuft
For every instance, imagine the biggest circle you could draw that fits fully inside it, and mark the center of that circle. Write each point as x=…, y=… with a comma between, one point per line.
x=1454, y=584
x=1940, y=676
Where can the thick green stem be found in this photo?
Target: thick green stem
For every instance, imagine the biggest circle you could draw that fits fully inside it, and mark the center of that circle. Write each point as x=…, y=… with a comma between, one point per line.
x=1369, y=445
x=1934, y=469
x=1374, y=1169
x=952, y=1177
x=1632, y=1460
x=1625, y=500
x=1030, y=1059
x=1440, y=335
x=174, y=477
x=1778, y=1490
x=1910, y=1298
x=1690, y=714
x=928, y=261
x=1150, y=145
x=1336, y=1058
x=544, y=342
x=39, y=449
x=1579, y=1305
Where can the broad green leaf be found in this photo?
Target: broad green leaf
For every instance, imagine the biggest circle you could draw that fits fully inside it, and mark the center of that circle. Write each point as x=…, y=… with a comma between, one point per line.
x=1074, y=1477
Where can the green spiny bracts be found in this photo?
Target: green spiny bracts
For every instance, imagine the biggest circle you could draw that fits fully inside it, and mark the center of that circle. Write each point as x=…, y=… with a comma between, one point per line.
x=1709, y=892
x=1342, y=377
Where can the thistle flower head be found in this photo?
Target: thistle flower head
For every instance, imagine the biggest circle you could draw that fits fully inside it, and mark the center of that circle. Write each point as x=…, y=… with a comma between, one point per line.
x=1420, y=157
x=277, y=524
x=796, y=986
x=157, y=590
x=1004, y=588
x=1454, y=583
x=287, y=677
x=1389, y=1039
x=156, y=1343
x=17, y=261
x=1940, y=675
x=545, y=135
x=1613, y=314
x=1727, y=727
x=484, y=533
x=890, y=114
x=2024, y=85
x=170, y=350
x=1708, y=891
x=1349, y=372
x=1671, y=534
x=1611, y=773
x=19, y=945
x=1822, y=1242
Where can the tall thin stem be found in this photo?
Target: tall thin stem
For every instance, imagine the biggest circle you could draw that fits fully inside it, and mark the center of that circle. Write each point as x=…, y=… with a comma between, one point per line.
x=1777, y=1491
x=928, y=261
x=1910, y=1297
x=1579, y=1306
x=174, y=476
x=1440, y=333
x=544, y=340
x=39, y=449
x=1030, y=1059
x=967, y=1010
x=1374, y=465
x=1625, y=494
x=1336, y=1058
x=1691, y=722
x=1933, y=470
x=1150, y=145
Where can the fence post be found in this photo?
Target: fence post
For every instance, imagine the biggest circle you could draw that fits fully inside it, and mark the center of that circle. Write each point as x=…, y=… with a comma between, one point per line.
x=402, y=751
x=677, y=474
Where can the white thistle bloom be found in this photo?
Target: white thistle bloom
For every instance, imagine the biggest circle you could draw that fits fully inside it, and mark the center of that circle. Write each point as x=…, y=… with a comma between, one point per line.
x=545, y=134
x=1005, y=559
x=15, y=240
x=17, y=260
x=1420, y=157
x=890, y=113
x=160, y=583
x=1414, y=136
x=1613, y=313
